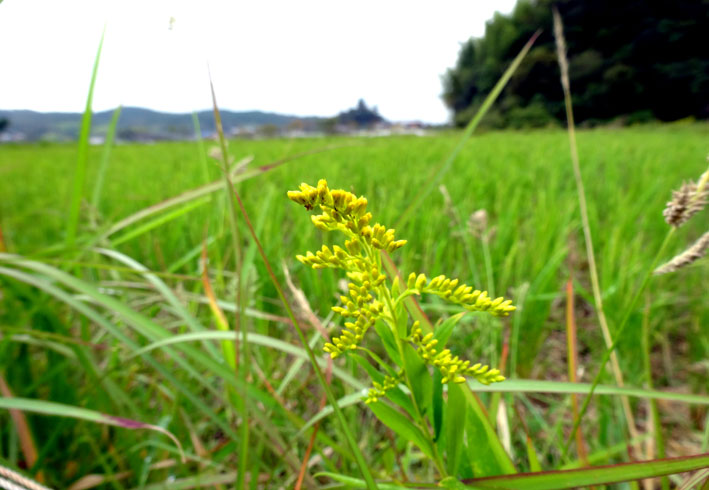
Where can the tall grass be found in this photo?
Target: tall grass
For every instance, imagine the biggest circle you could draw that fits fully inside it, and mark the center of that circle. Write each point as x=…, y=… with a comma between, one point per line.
x=125, y=299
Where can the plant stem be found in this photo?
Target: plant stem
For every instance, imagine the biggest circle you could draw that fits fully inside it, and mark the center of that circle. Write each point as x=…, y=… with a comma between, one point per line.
x=421, y=421
x=656, y=426
x=590, y=255
x=359, y=457
x=242, y=369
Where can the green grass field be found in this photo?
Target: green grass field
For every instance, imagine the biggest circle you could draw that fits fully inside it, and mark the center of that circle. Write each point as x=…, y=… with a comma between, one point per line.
x=52, y=350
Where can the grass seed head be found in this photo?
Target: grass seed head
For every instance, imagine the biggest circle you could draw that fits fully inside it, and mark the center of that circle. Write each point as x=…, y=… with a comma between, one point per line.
x=687, y=201
x=692, y=254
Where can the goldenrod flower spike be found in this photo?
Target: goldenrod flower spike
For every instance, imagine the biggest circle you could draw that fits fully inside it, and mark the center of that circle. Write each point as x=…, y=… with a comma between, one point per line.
x=379, y=390
x=451, y=367
x=343, y=211
x=369, y=298
x=461, y=294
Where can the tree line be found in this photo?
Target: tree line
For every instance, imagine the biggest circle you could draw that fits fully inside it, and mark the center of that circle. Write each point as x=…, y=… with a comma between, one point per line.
x=633, y=60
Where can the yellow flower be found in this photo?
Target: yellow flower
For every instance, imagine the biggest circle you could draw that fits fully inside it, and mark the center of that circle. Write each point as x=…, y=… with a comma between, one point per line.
x=369, y=297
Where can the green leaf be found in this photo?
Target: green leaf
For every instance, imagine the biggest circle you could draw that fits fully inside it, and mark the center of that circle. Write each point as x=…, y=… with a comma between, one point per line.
x=103, y=165
x=402, y=426
x=456, y=410
x=395, y=287
x=389, y=341
x=367, y=366
x=444, y=331
x=486, y=455
x=350, y=482
x=484, y=434
x=532, y=456
x=159, y=221
x=395, y=394
x=536, y=386
x=437, y=404
x=61, y=410
x=253, y=338
x=454, y=483
x=420, y=378
x=599, y=475
x=82, y=159
x=402, y=321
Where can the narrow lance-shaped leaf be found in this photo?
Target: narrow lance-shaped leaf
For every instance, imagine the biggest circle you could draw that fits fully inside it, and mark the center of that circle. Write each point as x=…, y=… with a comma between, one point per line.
x=598, y=475
x=61, y=410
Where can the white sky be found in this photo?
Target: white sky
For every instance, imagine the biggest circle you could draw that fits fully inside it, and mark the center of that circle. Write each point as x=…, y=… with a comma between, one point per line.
x=292, y=57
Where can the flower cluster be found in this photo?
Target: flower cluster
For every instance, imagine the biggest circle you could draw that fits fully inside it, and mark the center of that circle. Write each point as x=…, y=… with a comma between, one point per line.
x=452, y=367
x=379, y=390
x=364, y=308
x=343, y=211
x=460, y=294
x=325, y=258
x=369, y=297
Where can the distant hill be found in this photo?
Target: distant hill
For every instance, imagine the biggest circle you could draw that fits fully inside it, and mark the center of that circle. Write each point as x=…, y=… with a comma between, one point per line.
x=142, y=124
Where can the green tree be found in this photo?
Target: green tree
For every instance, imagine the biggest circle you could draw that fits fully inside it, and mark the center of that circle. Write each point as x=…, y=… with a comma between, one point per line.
x=626, y=57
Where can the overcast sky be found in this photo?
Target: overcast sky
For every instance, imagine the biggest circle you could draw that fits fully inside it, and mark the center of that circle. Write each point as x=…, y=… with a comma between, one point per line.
x=294, y=57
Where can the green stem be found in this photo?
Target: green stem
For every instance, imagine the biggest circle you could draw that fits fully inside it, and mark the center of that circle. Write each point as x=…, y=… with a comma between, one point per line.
x=359, y=457
x=421, y=421
x=243, y=368
x=403, y=296
x=378, y=360
x=654, y=411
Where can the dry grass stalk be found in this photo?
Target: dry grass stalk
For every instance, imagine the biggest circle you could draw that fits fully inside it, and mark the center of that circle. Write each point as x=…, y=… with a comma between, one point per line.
x=593, y=270
x=477, y=223
x=692, y=254
x=561, y=51
x=449, y=208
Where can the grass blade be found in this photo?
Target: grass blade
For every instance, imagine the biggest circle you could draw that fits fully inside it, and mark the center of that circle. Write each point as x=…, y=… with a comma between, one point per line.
x=214, y=186
x=694, y=480
x=359, y=457
x=228, y=347
x=655, y=426
x=349, y=482
x=242, y=369
x=103, y=166
x=61, y=410
x=159, y=221
x=27, y=445
x=254, y=338
x=590, y=254
x=538, y=386
x=440, y=170
x=82, y=157
x=598, y=475
x=182, y=198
